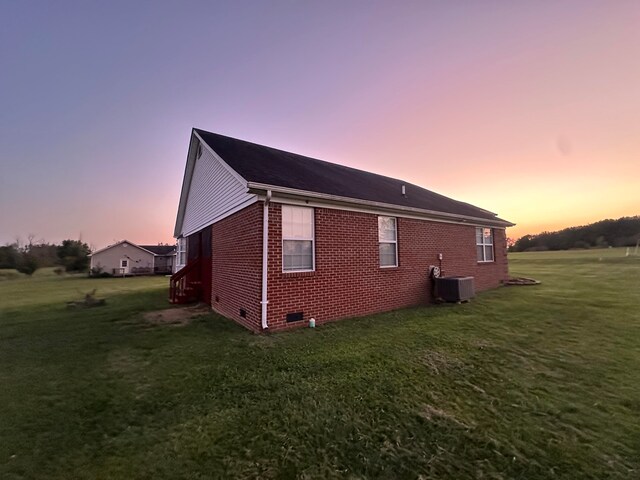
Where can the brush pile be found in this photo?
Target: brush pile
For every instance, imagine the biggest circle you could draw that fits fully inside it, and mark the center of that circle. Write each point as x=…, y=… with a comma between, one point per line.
x=89, y=300
x=522, y=281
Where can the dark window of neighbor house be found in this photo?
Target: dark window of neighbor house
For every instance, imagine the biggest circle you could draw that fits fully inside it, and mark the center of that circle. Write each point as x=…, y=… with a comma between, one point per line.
x=484, y=244
x=388, y=241
x=297, y=239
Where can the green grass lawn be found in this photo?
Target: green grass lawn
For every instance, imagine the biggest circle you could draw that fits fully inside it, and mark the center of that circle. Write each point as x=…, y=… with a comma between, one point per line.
x=523, y=382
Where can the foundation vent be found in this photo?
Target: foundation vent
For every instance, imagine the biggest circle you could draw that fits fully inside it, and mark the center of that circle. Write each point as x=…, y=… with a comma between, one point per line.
x=294, y=317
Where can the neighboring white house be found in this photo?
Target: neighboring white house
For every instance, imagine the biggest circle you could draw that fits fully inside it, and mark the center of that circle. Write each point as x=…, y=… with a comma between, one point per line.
x=127, y=258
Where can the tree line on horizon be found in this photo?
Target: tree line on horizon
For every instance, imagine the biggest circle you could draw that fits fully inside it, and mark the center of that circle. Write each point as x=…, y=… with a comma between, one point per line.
x=622, y=232
x=68, y=256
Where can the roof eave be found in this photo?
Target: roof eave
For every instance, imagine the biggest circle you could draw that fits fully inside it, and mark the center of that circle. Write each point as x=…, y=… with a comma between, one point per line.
x=432, y=214
x=186, y=184
x=120, y=243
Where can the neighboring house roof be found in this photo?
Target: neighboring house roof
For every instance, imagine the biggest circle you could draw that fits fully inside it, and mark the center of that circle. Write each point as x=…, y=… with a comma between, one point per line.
x=160, y=249
x=270, y=166
x=145, y=248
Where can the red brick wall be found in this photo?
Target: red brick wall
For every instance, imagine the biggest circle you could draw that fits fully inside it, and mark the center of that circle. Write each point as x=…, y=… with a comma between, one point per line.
x=236, y=266
x=348, y=280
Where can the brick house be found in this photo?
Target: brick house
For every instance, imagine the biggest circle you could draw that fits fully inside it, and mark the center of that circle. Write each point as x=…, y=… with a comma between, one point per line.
x=271, y=239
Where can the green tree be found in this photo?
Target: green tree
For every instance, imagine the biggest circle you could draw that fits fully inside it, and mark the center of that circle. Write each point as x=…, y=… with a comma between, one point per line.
x=45, y=253
x=74, y=255
x=27, y=263
x=9, y=256
x=623, y=232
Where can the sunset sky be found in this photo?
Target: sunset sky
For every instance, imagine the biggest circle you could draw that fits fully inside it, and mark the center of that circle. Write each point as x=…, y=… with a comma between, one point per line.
x=531, y=110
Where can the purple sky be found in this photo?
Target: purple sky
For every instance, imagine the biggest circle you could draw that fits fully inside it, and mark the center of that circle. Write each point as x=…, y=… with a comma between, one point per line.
x=530, y=109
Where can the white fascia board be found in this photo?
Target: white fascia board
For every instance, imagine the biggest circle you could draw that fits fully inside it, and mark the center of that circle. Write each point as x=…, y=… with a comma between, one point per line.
x=186, y=184
x=373, y=211
x=292, y=196
x=231, y=211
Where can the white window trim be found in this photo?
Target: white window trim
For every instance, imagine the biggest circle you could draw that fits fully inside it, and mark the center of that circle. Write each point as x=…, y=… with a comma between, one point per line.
x=313, y=242
x=122, y=261
x=395, y=242
x=182, y=242
x=483, y=244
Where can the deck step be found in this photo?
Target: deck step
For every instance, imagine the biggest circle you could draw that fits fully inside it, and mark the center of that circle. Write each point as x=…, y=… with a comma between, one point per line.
x=186, y=284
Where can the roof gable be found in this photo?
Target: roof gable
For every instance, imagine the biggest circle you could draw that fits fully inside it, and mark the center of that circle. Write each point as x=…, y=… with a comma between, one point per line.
x=211, y=189
x=269, y=166
x=120, y=243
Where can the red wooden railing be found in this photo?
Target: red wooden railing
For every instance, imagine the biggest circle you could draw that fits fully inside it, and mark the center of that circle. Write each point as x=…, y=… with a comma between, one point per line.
x=185, y=285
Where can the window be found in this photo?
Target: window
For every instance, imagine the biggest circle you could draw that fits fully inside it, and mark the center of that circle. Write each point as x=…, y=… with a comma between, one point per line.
x=388, y=241
x=484, y=244
x=124, y=263
x=181, y=253
x=297, y=239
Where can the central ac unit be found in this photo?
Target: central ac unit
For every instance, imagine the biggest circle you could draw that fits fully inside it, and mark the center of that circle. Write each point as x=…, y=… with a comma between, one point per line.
x=455, y=289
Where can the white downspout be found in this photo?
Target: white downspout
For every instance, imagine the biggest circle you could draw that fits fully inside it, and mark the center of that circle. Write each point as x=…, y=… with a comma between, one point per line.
x=265, y=258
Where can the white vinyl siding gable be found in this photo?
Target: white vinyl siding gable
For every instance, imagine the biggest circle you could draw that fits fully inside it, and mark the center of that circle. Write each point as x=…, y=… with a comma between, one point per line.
x=214, y=192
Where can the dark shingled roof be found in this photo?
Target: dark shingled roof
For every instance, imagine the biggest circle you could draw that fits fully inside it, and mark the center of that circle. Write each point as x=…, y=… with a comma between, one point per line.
x=260, y=164
x=159, y=249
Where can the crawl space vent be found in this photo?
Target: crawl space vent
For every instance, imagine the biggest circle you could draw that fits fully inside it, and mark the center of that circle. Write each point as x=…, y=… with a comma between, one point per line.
x=294, y=317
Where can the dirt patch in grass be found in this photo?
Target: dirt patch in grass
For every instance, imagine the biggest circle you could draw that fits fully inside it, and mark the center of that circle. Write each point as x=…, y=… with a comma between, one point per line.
x=175, y=317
